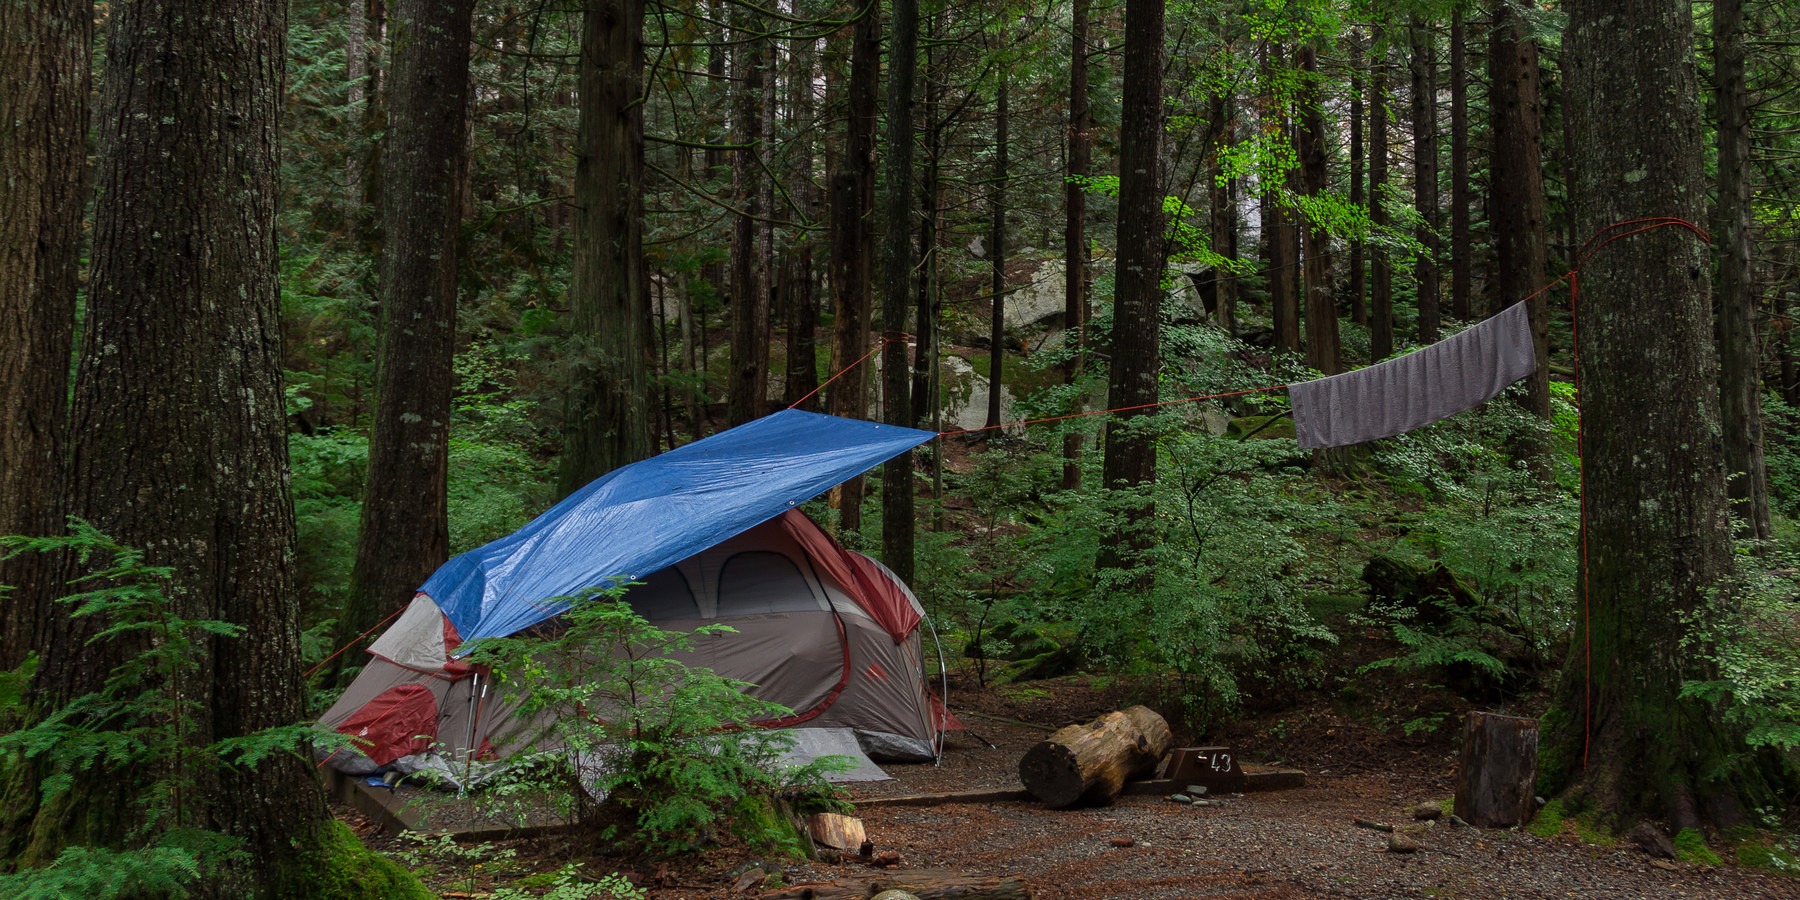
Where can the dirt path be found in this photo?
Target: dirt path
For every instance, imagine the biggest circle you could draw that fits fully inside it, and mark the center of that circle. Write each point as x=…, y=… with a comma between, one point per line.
x=1282, y=844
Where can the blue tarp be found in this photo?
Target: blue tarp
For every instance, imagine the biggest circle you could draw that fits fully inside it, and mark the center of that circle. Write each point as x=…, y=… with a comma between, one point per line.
x=652, y=514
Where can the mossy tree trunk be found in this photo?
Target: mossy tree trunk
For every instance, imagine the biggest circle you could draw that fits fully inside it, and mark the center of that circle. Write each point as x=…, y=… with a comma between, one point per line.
x=180, y=445
x=405, y=525
x=44, y=64
x=1130, y=461
x=853, y=247
x=607, y=418
x=1623, y=740
x=897, y=521
x=1516, y=199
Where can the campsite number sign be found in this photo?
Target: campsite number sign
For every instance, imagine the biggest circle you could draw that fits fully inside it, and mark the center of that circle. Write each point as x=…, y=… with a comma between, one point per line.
x=1215, y=767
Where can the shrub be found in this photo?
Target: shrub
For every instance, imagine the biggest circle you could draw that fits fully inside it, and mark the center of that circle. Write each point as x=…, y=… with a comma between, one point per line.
x=672, y=745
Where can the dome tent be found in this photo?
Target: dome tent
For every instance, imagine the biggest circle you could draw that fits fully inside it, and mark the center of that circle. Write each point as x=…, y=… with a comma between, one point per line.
x=712, y=532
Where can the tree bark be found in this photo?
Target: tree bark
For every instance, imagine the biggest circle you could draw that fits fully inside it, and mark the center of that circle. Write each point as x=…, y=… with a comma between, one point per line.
x=1359, y=292
x=800, y=295
x=607, y=423
x=1740, y=382
x=1223, y=215
x=44, y=63
x=1322, y=343
x=1496, y=771
x=180, y=447
x=1090, y=763
x=1658, y=543
x=1461, y=252
x=897, y=522
x=1075, y=249
x=1282, y=225
x=1381, y=270
x=749, y=389
x=1130, y=462
x=405, y=525
x=1517, y=207
x=852, y=248
x=997, y=263
x=1425, y=167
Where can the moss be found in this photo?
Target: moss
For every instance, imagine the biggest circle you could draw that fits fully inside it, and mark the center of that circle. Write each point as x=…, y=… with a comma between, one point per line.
x=769, y=826
x=1549, y=821
x=1690, y=847
x=1557, y=817
x=336, y=866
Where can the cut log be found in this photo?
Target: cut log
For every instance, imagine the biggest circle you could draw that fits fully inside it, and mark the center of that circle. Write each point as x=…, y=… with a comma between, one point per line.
x=1091, y=763
x=1496, y=775
x=836, y=831
x=924, y=884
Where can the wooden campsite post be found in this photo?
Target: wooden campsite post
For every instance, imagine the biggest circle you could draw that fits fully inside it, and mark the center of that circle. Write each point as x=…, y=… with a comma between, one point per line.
x=1496, y=772
x=1092, y=762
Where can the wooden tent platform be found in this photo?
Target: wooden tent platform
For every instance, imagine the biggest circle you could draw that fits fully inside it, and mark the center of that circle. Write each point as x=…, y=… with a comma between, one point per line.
x=429, y=811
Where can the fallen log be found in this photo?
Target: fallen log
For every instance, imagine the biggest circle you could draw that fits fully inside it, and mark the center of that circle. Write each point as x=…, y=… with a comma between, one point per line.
x=1091, y=763
x=924, y=883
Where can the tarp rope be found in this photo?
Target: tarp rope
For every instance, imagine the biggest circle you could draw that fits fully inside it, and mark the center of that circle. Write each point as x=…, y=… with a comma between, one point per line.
x=358, y=639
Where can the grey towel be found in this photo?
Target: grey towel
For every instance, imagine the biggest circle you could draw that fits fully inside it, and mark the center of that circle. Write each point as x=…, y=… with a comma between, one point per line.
x=1417, y=389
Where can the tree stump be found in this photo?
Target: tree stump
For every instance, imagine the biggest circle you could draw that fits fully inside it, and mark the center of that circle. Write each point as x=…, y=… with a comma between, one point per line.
x=1496, y=773
x=1092, y=762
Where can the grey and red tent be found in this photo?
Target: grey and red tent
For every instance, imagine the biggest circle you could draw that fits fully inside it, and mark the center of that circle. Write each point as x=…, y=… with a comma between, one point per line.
x=708, y=532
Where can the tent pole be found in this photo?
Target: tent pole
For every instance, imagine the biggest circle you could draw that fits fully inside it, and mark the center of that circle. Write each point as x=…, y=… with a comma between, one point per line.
x=944, y=679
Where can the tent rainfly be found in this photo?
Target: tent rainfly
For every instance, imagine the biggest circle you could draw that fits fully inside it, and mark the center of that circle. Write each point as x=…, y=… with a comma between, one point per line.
x=712, y=533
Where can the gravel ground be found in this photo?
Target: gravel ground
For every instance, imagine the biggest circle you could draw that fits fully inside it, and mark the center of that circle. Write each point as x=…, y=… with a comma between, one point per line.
x=1280, y=844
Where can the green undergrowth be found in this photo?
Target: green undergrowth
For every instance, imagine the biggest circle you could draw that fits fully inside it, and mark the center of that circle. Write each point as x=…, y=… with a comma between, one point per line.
x=1774, y=852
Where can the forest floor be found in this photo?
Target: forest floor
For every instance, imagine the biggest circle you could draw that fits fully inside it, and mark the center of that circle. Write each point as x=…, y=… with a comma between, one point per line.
x=1359, y=760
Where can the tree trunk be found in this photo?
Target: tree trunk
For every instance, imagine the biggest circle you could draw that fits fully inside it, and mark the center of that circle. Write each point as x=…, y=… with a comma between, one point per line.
x=179, y=442
x=1425, y=187
x=606, y=423
x=405, y=526
x=1496, y=771
x=1740, y=382
x=1130, y=462
x=1658, y=543
x=997, y=264
x=1517, y=207
x=800, y=296
x=931, y=195
x=897, y=524
x=1461, y=253
x=1075, y=249
x=749, y=389
x=1222, y=219
x=1282, y=226
x=852, y=248
x=1321, y=301
x=1090, y=763
x=44, y=63
x=1381, y=269
x=1359, y=295
x=1322, y=343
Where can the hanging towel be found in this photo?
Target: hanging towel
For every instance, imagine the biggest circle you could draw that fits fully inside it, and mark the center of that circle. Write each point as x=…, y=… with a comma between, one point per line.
x=1414, y=390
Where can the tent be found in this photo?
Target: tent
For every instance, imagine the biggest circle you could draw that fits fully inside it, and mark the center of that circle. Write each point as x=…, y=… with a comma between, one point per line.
x=708, y=532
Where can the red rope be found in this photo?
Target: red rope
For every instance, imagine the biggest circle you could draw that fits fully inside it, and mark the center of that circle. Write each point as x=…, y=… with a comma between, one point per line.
x=1588, y=249
x=356, y=640
x=879, y=346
